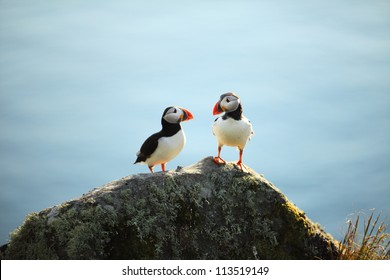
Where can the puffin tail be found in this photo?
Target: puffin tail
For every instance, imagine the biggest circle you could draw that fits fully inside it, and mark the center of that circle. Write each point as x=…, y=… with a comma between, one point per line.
x=140, y=158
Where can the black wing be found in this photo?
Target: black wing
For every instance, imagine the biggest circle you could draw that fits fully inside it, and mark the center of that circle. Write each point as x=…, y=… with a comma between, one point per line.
x=148, y=147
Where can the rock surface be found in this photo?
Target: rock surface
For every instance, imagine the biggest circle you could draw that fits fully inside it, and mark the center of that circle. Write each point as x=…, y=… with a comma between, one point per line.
x=203, y=211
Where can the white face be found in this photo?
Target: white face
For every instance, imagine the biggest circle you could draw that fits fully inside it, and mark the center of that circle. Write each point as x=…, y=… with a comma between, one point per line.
x=229, y=103
x=174, y=115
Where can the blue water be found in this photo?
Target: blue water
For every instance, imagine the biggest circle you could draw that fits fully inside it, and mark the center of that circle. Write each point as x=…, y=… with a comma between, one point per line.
x=83, y=83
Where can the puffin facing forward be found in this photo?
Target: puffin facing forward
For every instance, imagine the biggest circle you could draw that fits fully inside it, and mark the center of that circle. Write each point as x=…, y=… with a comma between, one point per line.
x=233, y=128
x=166, y=144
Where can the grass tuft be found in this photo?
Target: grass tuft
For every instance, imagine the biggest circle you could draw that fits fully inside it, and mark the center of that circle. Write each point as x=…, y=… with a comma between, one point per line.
x=372, y=244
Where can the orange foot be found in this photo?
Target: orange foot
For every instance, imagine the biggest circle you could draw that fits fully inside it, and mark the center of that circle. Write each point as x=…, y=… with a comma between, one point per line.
x=241, y=166
x=219, y=160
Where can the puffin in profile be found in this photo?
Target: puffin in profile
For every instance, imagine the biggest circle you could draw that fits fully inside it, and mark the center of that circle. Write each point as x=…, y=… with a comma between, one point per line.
x=232, y=128
x=166, y=144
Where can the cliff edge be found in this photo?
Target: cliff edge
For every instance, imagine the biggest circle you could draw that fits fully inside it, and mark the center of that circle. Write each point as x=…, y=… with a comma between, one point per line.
x=202, y=211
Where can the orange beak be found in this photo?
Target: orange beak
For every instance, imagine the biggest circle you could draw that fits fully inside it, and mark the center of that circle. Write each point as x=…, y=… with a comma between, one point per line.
x=187, y=115
x=217, y=109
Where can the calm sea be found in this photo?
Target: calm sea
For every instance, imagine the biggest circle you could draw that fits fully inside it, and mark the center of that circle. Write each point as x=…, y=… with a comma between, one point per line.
x=83, y=83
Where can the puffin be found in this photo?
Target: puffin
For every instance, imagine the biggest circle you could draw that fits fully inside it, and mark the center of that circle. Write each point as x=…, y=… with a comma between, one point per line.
x=232, y=128
x=163, y=146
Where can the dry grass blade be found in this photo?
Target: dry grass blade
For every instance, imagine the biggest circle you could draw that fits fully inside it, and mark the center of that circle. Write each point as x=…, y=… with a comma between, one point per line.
x=373, y=244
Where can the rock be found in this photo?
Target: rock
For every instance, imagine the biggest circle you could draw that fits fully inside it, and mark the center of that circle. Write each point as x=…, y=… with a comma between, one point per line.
x=203, y=211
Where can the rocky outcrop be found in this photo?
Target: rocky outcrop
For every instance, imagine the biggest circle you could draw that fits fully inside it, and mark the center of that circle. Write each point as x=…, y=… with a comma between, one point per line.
x=203, y=211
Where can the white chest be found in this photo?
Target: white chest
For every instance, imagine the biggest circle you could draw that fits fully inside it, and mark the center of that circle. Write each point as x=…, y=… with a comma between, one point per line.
x=231, y=132
x=168, y=148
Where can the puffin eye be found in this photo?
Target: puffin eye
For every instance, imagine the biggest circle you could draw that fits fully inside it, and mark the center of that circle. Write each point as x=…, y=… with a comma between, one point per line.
x=227, y=100
x=174, y=111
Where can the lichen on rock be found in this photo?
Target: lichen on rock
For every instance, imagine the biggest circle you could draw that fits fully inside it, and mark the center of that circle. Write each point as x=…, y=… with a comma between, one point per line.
x=203, y=211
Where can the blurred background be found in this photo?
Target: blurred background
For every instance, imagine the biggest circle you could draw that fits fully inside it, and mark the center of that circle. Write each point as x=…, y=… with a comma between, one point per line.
x=84, y=83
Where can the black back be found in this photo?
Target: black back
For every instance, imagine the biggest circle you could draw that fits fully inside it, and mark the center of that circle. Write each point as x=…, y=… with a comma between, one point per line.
x=150, y=144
